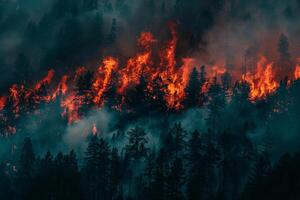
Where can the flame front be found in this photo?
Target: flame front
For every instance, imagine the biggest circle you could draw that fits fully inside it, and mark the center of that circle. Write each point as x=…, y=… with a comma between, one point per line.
x=263, y=81
x=160, y=69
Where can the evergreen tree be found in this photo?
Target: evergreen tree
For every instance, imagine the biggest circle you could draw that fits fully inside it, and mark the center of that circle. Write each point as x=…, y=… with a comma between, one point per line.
x=175, y=181
x=137, y=97
x=136, y=147
x=104, y=169
x=192, y=91
x=111, y=96
x=216, y=105
x=26, y=169
x=258, y=175
x=157, y=100
x=91, y=169
x=157, y=181
x=175, y=141
x=203, y=81
x=6, y=189
x=83, y=90
x=27, y=159
x=115, y=175
x=196, y=173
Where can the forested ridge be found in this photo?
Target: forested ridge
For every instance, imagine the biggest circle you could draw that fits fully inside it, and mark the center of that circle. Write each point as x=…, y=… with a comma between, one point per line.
x=158, y=100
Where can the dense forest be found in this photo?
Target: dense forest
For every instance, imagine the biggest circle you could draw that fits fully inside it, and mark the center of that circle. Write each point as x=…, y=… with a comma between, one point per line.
x=166, y=99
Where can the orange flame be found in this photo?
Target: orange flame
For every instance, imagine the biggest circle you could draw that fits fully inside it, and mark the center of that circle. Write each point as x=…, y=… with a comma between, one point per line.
x=262, y=83
x=62, y=87
x=94, y=129
x=169, y=73
x=45, y=80
x=297, y=72
x=2, y=102
x=104, y=76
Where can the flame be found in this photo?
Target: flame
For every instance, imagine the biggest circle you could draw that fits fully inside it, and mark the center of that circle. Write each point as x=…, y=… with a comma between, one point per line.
x=46, y=80
x=297, y=72
x=160, y=68
x=71, y=106
x=103, y=78
x=2, y=102
x=138, y=65
x=262, y=83
x=94, y=129
x=62, y=87
x=14, y=97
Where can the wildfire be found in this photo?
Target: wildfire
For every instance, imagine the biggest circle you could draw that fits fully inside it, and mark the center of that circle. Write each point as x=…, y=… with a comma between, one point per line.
x=161, y=70
x=94, y=129
x=137, y=65
x=45, y=80
x=104, y=74
x=71, y=106
x=297, y=72
x=2, y=102
x=263, y=81
x=62, y=87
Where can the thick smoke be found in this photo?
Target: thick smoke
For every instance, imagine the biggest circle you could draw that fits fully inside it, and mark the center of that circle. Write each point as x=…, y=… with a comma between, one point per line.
x=252, y=26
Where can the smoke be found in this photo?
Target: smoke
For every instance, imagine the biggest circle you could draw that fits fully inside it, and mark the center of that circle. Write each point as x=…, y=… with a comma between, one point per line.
x=77, y=134
x=213, y=34
x=252, y=25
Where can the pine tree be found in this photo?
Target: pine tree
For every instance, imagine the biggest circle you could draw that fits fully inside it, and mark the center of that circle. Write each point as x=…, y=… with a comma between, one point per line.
x=157, y=100
x=83, y=91
x=216, y=105
x=203, y=81
x=259, y=172
x=115, y=174
x=175, y=181
x=157, y=179
x=6, y=189
x=196, y=173
x=27, y=159
x=136, y=147
x=103, y=155
x=25, y=169
x=91, y=169
x=192, y=91
x=175, y=141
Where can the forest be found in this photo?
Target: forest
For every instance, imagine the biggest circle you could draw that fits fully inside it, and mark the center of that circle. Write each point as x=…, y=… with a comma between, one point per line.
x=158, y=100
